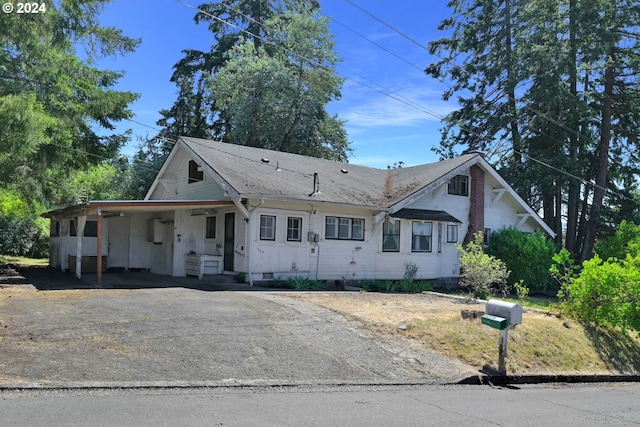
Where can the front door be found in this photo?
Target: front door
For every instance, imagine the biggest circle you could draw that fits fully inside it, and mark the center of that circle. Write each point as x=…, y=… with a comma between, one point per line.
x=229, y=240
x=118, y=255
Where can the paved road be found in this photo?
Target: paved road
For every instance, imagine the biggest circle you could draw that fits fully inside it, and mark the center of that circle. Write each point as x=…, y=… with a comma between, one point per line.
x=160, y=336
x=361, y=406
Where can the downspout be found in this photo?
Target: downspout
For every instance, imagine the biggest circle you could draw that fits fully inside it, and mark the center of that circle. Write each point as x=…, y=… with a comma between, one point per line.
x=248, y=239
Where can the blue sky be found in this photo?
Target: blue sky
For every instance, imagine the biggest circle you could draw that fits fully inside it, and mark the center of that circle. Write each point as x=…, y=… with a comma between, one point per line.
x=382, y=130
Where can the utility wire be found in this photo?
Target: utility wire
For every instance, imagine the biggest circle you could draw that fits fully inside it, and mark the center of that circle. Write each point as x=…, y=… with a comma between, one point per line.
x=535, y=111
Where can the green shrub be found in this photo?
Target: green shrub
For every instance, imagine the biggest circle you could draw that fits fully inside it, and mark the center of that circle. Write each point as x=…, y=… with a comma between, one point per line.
x=481, y=273
x=22, y=232
x=625, y=241
x=527, y=256
x=302, y=283
x=408, y=286
x=415, y=286
x=23, y=236
x=521, y=290
x=606, y=293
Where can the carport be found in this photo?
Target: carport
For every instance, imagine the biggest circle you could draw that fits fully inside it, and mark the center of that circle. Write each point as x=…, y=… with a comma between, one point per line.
x=68, y=227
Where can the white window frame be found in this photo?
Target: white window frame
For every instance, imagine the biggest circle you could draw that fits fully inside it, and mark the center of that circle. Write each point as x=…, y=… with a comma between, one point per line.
x=394, y=235
x=268, y=231
x=343, y=228
x=452, y=236
x=292, y=230
x=414, y=235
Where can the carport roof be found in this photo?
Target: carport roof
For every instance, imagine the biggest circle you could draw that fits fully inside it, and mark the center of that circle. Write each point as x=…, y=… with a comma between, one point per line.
x=117, y=206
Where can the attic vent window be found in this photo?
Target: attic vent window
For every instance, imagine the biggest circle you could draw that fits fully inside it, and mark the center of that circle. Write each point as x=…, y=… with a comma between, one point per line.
x=195, y=172
x=459, y=185
x=344, y=171
x=264, y=160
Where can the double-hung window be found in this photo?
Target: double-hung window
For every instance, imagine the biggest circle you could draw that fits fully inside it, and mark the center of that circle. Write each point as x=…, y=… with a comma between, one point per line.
x=294, y=229
x=452, y=233
x=391, y=236
x=340, y=228
x=421, y=233
x=267, y=227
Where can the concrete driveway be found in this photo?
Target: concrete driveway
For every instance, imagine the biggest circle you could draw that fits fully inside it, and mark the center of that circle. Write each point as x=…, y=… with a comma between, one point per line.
x=177, y=335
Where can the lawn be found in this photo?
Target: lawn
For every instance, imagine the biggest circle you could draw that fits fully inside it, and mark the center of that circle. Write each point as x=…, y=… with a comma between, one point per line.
x=545, y=343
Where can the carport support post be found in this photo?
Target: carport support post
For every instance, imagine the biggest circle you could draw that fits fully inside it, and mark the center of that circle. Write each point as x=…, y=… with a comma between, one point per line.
x=82, y=220
x=99, y=248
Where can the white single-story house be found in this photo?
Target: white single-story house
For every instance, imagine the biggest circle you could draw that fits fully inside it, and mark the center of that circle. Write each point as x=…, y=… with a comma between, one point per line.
x=219, y=208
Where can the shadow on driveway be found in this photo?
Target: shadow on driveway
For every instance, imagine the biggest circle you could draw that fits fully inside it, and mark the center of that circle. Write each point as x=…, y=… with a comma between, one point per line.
x=45, y=278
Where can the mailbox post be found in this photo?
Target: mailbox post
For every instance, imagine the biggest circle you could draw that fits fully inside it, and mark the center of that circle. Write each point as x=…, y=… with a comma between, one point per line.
x=502, y=315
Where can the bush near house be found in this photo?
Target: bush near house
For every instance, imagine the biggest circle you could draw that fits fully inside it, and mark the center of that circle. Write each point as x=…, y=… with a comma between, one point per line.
x=481, y=273
x=625, y=241
x=22, y=233
x=605, y=291
x=527, y=256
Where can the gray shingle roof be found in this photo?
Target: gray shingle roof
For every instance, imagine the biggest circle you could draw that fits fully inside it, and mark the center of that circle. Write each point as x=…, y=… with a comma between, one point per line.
x=246, y=170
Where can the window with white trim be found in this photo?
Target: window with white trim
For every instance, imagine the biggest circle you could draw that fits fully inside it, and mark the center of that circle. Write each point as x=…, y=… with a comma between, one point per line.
x=340, y=228
x=391, y=236
x=452, y=233
x=267, y=227
x=459, y=185
x=421, y=233
x=294, y=229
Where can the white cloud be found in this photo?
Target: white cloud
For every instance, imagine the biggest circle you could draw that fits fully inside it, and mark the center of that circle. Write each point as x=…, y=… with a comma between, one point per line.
x=412, y=105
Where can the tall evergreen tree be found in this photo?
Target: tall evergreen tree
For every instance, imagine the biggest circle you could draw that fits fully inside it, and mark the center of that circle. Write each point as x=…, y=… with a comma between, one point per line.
x=556, y=82
x=52, y=100
x=285, y=110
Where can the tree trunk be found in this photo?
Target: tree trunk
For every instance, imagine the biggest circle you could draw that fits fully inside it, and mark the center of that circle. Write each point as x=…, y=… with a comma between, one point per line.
x=574, y=186
x=603, y=159
x=558, y=214
x=511, y=89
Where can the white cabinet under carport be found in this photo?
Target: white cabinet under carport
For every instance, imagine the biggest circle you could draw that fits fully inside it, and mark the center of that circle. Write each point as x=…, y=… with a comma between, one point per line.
x=199, y=265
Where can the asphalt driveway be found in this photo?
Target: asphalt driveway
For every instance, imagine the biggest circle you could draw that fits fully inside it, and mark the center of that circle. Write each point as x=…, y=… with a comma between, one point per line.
x=188, y=336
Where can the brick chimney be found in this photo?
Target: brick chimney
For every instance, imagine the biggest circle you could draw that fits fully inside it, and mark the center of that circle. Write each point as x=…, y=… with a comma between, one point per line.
x=476, y=202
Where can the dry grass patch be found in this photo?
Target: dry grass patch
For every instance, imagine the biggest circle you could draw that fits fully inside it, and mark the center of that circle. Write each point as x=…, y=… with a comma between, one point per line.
x=541, y=345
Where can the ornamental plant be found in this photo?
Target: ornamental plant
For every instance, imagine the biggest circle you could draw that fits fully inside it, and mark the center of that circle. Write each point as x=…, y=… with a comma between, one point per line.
x=480, y=273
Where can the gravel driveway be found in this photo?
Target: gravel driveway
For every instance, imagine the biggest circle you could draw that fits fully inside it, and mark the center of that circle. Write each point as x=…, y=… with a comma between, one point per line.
x=194, y=337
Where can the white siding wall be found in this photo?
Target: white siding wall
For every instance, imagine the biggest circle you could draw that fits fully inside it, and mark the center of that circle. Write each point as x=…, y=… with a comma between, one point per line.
x=280, y=257
x=344, y=259
x=203, y=190
x=442, y=261
x=502, y=212
x=178, y=172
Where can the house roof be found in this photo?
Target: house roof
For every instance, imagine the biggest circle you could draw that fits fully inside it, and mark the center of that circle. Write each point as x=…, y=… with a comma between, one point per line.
x=273, y=175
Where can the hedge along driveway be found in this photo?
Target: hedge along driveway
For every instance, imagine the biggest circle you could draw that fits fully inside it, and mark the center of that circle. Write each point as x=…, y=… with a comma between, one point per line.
x=176, y=334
